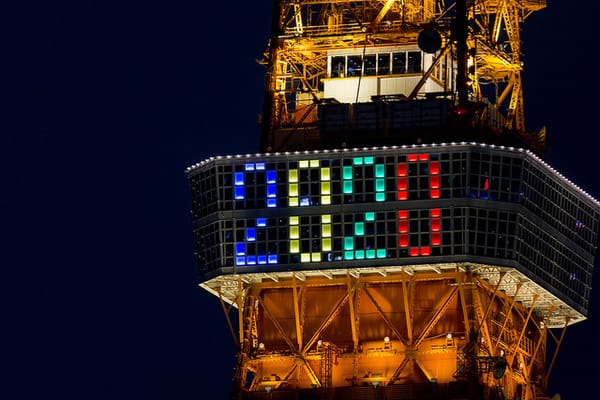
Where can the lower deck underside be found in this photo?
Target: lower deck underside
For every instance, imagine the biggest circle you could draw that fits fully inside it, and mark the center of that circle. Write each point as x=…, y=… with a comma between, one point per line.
x=449, y=334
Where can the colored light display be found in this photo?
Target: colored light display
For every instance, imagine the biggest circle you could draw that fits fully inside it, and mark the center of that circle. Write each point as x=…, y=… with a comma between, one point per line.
x=309, y=183
x=239, y=179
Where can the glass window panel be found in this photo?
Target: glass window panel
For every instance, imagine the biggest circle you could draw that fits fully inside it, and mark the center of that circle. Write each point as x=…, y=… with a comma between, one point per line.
x=370, y=65
x=239, y=178
x=294, y=246
x=414, y=62
x=399, y=63
x=338, y=66
x=294, y=232
x=348, y=243
x=383, y=64
x=239, y=193
x=354, y=66
x=348, y=186
x=293, y=175
x=347, y=172
x=359, y=228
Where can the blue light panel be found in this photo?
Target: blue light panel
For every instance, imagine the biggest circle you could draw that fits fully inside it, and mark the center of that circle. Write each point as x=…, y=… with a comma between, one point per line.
x=239, y=193
x=240, y=249
x=238, y=178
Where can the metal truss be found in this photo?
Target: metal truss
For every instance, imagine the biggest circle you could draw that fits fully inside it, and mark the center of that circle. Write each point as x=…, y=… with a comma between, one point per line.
x=305, y=30
x=325, y=329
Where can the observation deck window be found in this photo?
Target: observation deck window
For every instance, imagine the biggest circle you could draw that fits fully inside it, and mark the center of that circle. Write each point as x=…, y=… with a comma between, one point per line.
x=399, y=63
x=414, y=62
x=380, y=64
x=370, y=65
x=354, y=66
x=383, y=64
x=338, y=66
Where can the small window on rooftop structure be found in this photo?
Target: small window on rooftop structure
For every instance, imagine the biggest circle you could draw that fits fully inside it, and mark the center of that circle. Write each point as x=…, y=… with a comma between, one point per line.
x=338, y=66
x=370, y=65
x=354, y=66
x=383, y=64
x=399, y=63
x=414, y=62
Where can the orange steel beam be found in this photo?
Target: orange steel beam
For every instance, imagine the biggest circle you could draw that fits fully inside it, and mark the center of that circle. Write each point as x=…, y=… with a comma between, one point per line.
x=412, y=348
x=406, y=288
x=351, y=293
x=336, y=309
x=558, y=343
x=504, y=324
x=386, y=7
x=440, y=308
x=384, y=318
x=299, y=330
x=278, y=326
x=226, y=311
x=518, y=348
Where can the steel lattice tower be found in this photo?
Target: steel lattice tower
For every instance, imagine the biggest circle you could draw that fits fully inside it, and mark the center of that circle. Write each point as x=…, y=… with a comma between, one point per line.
x=400, y=235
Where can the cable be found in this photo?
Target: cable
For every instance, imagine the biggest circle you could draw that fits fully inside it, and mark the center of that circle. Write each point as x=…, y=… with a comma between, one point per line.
x=362, y=68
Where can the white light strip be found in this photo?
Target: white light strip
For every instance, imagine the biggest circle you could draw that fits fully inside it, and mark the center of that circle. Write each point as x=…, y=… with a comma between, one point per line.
x=414, y=146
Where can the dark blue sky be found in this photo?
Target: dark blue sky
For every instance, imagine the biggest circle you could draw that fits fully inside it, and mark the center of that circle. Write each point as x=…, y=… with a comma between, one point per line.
x=104, y=105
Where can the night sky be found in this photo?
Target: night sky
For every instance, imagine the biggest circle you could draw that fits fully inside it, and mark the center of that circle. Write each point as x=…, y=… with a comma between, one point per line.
x=104, y=105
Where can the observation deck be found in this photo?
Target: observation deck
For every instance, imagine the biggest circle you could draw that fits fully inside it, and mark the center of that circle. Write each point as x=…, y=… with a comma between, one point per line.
x=496, y=211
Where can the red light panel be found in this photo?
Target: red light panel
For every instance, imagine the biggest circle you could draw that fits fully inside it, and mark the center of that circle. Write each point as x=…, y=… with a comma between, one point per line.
x=402, y=169
x=403, y=240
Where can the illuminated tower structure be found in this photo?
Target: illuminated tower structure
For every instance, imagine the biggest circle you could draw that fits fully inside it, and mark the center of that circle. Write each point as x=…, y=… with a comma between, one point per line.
x=399, y=235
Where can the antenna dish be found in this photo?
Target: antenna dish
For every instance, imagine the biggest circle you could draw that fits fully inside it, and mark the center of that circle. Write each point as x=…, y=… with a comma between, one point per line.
x=499, y=368
x=429, y=40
